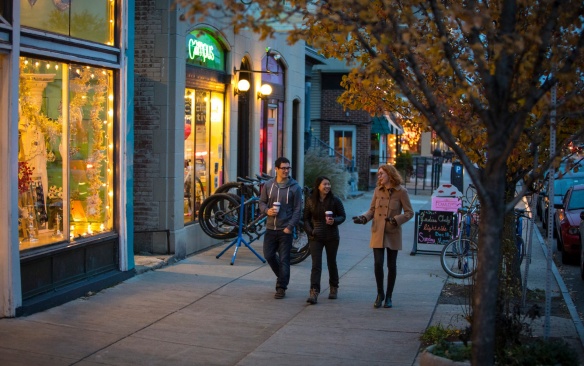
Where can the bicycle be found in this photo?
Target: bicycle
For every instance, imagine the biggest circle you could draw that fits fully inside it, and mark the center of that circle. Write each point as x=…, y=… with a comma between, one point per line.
x=251, y=188
x=220, y=219
x=221, y=213
x=459, y=257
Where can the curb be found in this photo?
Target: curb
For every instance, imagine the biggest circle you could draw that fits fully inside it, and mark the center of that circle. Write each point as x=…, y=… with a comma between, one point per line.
x=564, y=290
x=145, y=263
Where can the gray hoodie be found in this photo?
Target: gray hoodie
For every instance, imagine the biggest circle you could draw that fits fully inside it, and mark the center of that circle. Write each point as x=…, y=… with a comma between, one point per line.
x=290, y=198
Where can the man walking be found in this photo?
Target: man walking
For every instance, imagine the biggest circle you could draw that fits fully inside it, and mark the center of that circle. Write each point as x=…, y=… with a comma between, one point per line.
x=281, y=200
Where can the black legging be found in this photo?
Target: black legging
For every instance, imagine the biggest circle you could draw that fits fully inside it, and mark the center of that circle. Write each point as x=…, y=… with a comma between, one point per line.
x=378, y=257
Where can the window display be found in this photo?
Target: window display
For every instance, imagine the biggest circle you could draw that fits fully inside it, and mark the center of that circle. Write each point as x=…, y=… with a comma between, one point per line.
x=203, y=167
x=90, y=20
x=65, y=175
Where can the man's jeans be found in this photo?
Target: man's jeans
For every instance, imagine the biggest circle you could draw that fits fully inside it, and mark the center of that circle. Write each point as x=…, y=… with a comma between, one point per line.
x=277, y=246
x=316, y=248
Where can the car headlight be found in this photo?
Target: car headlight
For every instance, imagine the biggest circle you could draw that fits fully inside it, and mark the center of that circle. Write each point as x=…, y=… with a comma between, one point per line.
x=573, y=230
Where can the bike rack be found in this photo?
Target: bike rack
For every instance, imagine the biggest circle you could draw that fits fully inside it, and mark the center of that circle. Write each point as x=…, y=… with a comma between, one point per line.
x=240, y=240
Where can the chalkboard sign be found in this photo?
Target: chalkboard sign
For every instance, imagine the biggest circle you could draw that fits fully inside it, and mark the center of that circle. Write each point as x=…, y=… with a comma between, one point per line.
x=436, y=227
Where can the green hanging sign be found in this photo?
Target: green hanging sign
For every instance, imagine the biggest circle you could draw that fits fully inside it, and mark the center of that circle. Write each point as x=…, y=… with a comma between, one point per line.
x=203, y=50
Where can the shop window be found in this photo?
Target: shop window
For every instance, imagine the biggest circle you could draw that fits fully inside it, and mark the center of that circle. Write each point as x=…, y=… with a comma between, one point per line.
x=89, y=20
x=203, y=165
x=342, y=139
x=65, y=154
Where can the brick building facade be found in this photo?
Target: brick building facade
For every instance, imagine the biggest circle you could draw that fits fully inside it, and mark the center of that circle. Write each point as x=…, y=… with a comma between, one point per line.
x=189, y=121
x=334, y=116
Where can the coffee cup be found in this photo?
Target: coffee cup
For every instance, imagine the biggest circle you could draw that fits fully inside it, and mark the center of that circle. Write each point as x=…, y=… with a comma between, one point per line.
x=328, y=214
x=276, y=207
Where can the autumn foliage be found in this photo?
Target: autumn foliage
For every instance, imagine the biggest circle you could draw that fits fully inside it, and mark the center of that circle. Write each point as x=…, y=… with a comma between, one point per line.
x=489, y=77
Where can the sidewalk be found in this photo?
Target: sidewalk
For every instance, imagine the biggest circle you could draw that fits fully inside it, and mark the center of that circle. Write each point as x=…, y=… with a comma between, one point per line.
x=204, y=311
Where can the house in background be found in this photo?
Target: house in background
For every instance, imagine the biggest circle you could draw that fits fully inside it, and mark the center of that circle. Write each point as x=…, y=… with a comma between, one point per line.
x=360, y=141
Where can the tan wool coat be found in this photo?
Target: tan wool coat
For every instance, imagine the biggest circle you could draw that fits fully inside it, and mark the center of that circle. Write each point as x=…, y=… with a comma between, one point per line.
x=386, y=204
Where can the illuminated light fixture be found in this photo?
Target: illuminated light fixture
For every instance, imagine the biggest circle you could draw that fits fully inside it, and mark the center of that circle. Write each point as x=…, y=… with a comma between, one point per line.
x=243, y=84
x=242, y=87
x=265, y=91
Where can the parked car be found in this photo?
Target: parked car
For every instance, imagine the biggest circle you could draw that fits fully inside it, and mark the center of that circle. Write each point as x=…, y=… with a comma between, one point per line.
x=561, y=186
x=562, y=172
x=582, y=244
x=567, y=223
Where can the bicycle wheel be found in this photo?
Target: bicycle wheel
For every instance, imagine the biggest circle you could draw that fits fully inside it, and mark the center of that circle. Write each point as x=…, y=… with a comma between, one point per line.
x=219, y=216
x=459, y=258
x=300, y=248
x=235, y=188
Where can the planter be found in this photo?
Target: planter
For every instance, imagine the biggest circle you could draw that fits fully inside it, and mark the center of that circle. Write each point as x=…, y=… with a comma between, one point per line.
x=427, y=358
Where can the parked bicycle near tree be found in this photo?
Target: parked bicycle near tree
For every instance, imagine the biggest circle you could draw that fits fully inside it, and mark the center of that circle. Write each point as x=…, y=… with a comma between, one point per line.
x=459, y=257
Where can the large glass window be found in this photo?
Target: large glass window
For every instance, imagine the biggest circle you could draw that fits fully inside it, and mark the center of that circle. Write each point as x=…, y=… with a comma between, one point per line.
x=342, y=139
x=90, y=20
x=65, y=155
x=203, y=164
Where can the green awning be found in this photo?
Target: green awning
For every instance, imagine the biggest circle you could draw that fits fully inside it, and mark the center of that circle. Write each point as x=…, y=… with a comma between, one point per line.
x=380, y=125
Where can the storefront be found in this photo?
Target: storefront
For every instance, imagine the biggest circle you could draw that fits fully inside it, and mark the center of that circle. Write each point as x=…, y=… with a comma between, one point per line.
x=195, y=129
x=68, y=146
x=206, y=81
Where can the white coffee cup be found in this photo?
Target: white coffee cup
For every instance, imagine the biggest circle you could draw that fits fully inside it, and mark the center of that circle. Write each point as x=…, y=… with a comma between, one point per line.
x=276, y=207
x=328, y=214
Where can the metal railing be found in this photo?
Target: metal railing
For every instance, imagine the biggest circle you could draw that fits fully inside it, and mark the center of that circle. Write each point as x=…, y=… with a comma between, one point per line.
x=339, y=158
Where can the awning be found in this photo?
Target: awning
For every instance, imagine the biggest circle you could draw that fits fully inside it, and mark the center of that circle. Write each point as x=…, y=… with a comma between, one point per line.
x=380, y=125
x=396, y=128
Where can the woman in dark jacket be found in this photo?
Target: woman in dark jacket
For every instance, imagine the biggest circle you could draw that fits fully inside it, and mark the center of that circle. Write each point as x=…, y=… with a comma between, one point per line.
x=323, y=233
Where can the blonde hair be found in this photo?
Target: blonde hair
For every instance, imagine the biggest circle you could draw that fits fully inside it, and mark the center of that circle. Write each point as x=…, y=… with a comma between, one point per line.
x=394, y=177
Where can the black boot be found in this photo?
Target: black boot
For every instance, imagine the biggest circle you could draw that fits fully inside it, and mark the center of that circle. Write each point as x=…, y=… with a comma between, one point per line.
x=388, y=303
x=312, y=297
x=333, y=292
x=378, y=300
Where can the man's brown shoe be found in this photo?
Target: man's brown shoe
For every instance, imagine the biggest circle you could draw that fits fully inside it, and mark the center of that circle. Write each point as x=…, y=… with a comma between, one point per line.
x=280, y=293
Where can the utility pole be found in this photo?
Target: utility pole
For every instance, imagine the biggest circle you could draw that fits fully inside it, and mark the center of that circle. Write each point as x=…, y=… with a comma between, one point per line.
x=550, y=218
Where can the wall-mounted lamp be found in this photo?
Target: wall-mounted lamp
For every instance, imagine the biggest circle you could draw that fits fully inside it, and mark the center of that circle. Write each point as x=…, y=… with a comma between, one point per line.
x=265, y=91
x=242, y=87
x=274, y=54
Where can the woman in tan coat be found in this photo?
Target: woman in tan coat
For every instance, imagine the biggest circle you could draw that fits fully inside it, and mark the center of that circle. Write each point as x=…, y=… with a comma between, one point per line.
x=390, y=208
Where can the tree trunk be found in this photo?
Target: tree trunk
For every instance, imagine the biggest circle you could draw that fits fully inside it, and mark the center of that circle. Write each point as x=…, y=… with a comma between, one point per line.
x=487, y=281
